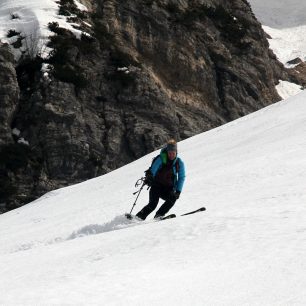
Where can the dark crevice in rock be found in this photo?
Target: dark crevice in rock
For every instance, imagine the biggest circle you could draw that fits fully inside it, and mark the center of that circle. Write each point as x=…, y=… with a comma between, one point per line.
x=220, y=88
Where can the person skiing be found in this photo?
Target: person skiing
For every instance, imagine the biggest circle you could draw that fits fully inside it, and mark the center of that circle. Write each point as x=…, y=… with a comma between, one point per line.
x=166, y=178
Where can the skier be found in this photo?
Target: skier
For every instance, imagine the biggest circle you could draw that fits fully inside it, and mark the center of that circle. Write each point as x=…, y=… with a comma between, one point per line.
x=166, y=178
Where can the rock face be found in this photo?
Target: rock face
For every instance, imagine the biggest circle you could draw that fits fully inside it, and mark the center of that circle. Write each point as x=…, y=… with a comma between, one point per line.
x=153, y=69
x=9, y=94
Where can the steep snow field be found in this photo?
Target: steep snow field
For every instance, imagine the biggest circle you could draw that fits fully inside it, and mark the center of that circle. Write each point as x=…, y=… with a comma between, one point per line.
x=285, y=22
x=31, y=18
x=74, y=247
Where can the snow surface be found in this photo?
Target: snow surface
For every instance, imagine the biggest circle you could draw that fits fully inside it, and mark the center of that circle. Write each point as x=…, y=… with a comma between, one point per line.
x=286, y=89
x=285, y=22
x=31, y=18
x=73, y=246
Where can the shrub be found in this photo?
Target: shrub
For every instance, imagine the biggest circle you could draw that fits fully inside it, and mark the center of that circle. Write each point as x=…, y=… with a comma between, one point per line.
x=34, y=46
x=14, y=16
x=60, y=44
x=64, y=68
x=68, y=8
x=85, y=44
x=18, y=43
x=55, y=28
x=68, y=74
x=12, y=33
x=27, y=70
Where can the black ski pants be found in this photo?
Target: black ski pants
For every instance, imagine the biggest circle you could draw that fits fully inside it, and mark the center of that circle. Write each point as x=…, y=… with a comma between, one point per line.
x=158, y=191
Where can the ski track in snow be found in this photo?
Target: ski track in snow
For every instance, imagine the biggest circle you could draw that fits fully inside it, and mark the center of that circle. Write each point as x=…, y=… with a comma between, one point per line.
x=118, y=223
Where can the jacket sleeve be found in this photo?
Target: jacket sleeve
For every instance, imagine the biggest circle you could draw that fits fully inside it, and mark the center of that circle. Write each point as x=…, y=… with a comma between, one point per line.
x=181, y=176
x=156, y=165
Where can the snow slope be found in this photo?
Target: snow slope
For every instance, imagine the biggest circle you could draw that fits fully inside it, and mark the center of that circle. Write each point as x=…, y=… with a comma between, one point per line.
x=74, y=247
x=31, y=19
x=285, y=22
x=287, y=89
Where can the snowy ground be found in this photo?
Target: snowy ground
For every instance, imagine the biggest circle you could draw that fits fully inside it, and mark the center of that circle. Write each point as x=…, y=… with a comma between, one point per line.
x=285, y=22
x=31, y=19
x=74, y=247
x=286, y=89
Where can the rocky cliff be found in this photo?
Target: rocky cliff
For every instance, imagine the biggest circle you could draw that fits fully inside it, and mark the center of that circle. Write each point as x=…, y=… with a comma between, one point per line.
x=151, y=69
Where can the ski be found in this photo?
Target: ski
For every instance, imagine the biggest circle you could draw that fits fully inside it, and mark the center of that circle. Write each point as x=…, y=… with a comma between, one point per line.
x=168, y=217
x=189, y=213
x=133, y=217
x=194, y=211
x=171, y=216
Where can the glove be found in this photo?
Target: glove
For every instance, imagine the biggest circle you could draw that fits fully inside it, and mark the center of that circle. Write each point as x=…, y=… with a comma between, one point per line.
x=149, y=179
x=174, y=195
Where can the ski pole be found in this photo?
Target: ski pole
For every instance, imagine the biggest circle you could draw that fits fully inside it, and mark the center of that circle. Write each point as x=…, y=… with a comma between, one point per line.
x=139, y=191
